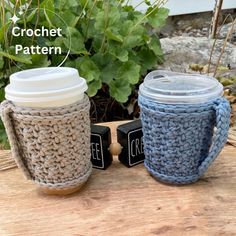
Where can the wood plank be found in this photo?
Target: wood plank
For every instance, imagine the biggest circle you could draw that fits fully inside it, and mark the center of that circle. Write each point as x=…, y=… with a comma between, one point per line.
x=122, y=201
x=6, y=161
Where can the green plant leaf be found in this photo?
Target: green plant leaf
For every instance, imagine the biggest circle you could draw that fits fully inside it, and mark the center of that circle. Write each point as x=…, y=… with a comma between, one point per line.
x=71, y=64
x=114, y=16
x=87, y=28
x=1, y=62
x=57, y=60
x=135, y=37
x=48, y=6
x=113, y=36
x=76, y=44
x=155, y=46
x=8, y=6
x=127, y=25
x=2, y=31
x=21, y=58
x=93, y=87
x=48, y=18
x=2, y=84
x=102, y=60
x=86, y=3
x=158, y=17
x=31, y=16
x=70, y=18
x=100, y=21
x=39, y=60
x=129, y=72
x=107, y=18
x=122, y=55
x=88, y=69
x=59, y=42
x=2, y=94
x=96, y=43
x=10, y=71
x=65, y=19
x=120, y=90
x=148, y=3
x=118, y=52
x=8, y=15
x=146, y=58
x=110, y=43
x=108, y=65
x=61, y=5
x=132, y=41
x=109, y=72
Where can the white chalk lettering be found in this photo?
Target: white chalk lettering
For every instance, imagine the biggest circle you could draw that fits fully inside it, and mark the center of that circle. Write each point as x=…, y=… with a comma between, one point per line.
x=136, y=147
x=95, y=151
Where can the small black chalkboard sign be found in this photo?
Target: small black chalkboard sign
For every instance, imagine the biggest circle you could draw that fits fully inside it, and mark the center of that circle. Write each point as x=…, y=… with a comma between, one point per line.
x=101, y=158
x=130, y=136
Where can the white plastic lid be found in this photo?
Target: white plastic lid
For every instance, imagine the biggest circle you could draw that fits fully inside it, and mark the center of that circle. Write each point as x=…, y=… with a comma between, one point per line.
x=170, y=87
x=45, y=85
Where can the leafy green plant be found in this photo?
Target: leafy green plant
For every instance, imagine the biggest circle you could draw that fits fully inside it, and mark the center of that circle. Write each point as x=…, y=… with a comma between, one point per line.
x=111, y=42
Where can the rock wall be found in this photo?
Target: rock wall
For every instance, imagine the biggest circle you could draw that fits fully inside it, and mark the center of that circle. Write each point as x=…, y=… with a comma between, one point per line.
x=185, y=41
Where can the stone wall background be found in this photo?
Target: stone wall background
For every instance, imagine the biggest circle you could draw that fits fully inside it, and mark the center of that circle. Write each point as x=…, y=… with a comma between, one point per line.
x=185, y=41
x=196, y=25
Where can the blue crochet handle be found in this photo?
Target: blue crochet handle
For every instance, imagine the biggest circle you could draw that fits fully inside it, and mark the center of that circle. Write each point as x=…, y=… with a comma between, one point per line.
x=222, y=109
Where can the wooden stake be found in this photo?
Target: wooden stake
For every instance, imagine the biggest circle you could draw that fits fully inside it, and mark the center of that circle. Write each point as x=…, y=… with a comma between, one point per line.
x=215, y=19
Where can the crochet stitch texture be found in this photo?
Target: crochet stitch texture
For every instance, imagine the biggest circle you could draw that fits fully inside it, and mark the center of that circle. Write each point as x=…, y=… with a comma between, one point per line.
x=179, y=140
x=51, y=146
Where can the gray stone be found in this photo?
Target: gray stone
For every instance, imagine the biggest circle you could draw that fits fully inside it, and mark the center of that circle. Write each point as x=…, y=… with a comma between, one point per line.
x=224, y=31
x=180, y=52
x=188, y=29
x=196, y=21
x=185, y=34
x=190, y=34
x=181, y=24
x=205, y=34
x=168, y=29
x=205, y=29
x=187, y=23
x=229, y=74
x=199, y=34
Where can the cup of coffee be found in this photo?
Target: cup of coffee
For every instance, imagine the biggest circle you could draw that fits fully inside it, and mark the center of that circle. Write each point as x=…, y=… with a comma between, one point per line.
x=46, y=116
x=185, y=123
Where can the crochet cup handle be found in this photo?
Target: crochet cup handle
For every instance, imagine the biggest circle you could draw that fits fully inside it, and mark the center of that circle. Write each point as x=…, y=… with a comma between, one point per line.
x=222, y=109
x=5, y=111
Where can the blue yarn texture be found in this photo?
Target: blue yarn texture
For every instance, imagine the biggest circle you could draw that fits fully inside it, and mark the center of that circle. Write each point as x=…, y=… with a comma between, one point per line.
x=180, y=142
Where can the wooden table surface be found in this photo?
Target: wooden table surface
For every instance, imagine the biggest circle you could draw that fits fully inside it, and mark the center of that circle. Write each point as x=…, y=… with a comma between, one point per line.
x=122, y=201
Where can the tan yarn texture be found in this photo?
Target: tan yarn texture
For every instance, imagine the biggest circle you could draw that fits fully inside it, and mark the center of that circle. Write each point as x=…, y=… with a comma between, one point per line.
x=51, y=146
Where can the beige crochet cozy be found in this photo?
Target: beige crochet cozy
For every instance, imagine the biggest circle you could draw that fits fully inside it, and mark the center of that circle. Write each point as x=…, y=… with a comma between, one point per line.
x=50, y=145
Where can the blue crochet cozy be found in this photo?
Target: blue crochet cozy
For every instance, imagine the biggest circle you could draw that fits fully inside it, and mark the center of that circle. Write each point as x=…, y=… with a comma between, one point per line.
x=181, y=141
